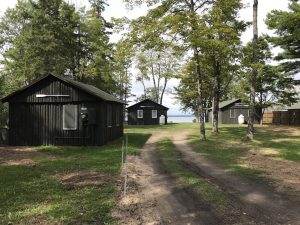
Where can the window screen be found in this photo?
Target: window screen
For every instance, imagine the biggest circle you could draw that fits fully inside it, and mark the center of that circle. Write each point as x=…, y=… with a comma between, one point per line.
x=232, y=113
x=70, y=117
x=154, y=113
x=140, y=114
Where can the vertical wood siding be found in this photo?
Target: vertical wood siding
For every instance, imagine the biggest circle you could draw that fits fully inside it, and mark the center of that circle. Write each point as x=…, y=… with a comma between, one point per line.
x=39, y=121
x=147, y=114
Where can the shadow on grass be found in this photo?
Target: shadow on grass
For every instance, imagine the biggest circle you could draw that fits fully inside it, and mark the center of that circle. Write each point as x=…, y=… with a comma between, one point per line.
x=227, y=147
x=32, y=194
x=172, y=163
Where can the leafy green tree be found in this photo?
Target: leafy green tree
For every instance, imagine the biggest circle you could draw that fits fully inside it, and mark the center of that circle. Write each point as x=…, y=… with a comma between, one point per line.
x=159, y=66
x=180, y=21
x=221, y=46
x=187, y=92
x=43, y=39
x=123, y=55
x=287, y=29
x=96, y=61
x=273, y=85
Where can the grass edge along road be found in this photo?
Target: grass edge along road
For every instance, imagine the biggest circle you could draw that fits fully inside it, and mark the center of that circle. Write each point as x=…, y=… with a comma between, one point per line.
x=36, y=194
x=202, y=190
x=273, y=157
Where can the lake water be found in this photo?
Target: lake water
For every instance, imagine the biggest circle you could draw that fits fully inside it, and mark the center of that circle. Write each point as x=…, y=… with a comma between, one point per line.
x=181, y=119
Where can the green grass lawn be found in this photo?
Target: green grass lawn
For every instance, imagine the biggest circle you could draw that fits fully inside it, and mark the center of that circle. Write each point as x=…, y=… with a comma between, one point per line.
x=33, y=193
x=228, y=147
x=159, y=128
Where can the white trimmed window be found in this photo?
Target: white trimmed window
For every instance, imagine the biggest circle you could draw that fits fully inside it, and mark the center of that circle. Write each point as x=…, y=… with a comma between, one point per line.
x=140, y=114
x=70, y=120
x=154, y=113
x=232, y=113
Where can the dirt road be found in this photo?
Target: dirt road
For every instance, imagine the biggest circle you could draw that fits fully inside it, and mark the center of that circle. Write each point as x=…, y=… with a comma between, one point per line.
x=154, y=197
x=254, y=198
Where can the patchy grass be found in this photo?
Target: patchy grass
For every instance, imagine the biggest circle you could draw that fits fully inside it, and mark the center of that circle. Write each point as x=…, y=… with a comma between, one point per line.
x=206, y=190
x=34, y=194
x=228, y=147
x=159, y=128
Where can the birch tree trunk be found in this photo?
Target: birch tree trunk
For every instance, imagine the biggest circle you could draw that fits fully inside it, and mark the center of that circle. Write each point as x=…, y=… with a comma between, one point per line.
x=216, y=97
x=250, y=129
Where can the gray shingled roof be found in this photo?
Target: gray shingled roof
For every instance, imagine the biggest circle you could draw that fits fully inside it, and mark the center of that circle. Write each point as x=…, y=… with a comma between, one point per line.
x=91, y=90
x=155, y=103
x=228, y=102
x=84, y=87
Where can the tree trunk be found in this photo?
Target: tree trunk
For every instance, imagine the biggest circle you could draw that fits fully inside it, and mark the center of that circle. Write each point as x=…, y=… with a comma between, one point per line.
x=250, y=129
x=163, y=91
x=200, y=97
x=216, y=98
x=156, y=88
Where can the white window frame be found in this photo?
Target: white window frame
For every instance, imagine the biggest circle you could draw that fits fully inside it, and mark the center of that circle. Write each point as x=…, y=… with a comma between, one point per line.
x=76, y=118
x=140, y=116
x=154, y=111
x=232, y=115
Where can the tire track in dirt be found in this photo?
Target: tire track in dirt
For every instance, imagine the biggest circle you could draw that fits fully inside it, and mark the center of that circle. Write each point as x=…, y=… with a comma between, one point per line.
x=252, y=197
x=155, y=197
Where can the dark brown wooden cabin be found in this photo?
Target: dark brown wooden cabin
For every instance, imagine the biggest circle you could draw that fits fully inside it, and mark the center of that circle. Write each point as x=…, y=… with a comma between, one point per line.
x=283, y=115
x=230, y=110
x=147, y=112
x=55, y=110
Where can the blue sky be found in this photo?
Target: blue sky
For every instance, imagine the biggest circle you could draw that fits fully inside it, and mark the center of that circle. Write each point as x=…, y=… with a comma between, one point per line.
x=117, y=9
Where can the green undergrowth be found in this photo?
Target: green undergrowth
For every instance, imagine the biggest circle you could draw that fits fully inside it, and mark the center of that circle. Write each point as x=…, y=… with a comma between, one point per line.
x=206, y=190
x=32, y=194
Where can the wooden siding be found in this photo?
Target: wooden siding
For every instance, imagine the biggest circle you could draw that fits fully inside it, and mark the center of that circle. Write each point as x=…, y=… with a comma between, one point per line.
x=53, y=86
x=289, y=117
x=39, y=121
x=147, y=107
x=238, y=111
x=224, y=115
x=147, y=117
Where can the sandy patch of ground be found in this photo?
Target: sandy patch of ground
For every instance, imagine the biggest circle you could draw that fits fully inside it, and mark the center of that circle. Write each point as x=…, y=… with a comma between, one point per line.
x=20, y=156
x=284, y=172
x=37, y=220
x=83, y=179
x=280, y=129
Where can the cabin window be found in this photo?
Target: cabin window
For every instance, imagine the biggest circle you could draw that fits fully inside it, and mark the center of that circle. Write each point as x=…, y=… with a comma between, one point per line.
x=232, y=113
x=140, y=114
x=118, y=118
x=109, y=115
x=154, y=113
x=70, y=117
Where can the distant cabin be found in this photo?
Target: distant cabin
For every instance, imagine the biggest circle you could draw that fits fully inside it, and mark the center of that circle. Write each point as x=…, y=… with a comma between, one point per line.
x=230, y=110
x=55, y=110
x=147, y=112
x=283, y=115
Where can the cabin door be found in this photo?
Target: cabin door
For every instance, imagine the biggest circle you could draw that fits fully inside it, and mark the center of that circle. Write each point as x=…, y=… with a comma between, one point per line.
x=147, y=117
